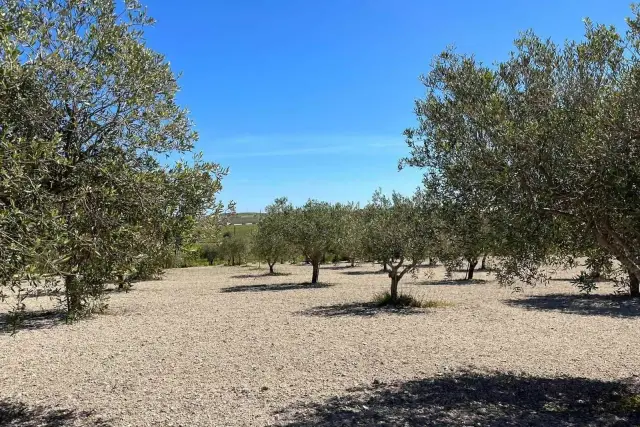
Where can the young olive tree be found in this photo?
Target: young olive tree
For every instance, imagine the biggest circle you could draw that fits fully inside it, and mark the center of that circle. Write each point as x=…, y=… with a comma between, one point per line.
x=271, y=242
x=465, y=234
x=314, y=231
x=403, y=231
x=546, y=143
x=235, y=249
x=351, y=233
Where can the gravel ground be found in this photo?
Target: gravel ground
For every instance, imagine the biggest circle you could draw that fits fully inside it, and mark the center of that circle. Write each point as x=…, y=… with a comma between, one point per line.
x=228, y=346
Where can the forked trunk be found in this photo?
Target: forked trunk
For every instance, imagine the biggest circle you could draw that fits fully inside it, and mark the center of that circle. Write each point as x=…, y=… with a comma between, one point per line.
x=316, y=272
x=271, y=264
x=472, y=267
x=634, y=285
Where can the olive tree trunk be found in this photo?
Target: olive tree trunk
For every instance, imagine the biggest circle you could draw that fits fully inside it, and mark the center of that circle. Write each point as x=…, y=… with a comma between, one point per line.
x=72, y=296
x=394, y=285
x=271, y=264
x=316, y=271
x=483, y=266
x=612, y=242
x=472, y=266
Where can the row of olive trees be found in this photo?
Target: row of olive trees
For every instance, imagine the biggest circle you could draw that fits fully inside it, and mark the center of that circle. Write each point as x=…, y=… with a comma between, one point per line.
x=398, y=232
x=86, y=108
x=545, y=146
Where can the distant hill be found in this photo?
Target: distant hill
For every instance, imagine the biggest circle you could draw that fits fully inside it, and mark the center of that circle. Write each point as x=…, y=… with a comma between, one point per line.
x=242, y=218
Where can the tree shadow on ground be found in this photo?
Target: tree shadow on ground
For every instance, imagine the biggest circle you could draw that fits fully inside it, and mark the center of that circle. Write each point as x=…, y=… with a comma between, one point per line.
x=274, y=287
x=362, y=273
x=471, y=398
x=427, y=265
x=451, y=282
x=570, y=279
x=361, y=309
x=255, y=276
x=338, y=267
x=592, y=305
x=14, y=413
x=59, y=293
x=46, y=294
x=31, y=320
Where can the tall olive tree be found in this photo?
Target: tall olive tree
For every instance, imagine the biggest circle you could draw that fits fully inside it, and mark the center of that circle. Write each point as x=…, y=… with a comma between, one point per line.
x=78, y=77
x=546, y=142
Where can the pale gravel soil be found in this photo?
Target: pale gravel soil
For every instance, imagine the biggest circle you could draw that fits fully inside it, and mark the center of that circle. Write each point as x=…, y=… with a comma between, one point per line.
x=202, y=348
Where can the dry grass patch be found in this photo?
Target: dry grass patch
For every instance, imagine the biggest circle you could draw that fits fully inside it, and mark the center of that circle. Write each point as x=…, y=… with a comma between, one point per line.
x=407, y=300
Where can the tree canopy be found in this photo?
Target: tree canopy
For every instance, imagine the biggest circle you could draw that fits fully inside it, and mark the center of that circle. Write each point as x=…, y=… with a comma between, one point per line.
x=402, y=231
x=272, y=242
x=545, y=143
x=86, y=108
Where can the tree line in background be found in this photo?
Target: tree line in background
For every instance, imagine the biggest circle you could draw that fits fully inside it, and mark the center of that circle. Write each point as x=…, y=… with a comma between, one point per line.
x=398, y=232
x=87, y=114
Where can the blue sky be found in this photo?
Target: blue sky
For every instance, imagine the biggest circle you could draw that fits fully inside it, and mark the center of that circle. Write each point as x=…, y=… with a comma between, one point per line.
x=309, y=99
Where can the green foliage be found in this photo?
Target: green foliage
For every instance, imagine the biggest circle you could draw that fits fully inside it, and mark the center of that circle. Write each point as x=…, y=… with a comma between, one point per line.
x=235, y=249
x=240, y=230
x=271, y=242
x=464, y=232
x=314, y=230
x=85, y=109
x=585, y=282
x=210, y=252
x=401, y=232
x=544, y=144
x=351, y=234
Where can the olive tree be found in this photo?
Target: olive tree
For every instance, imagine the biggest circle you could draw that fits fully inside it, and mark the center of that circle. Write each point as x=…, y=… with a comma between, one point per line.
x=234, y=248
x=271, y=242
x=351, y=233
x=404, y=233
x=314, y=230
x=546, y=142
x=79, y=82
x=465, y=234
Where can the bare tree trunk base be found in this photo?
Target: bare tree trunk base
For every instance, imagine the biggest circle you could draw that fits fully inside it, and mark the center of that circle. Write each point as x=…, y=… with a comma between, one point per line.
x=316, y=272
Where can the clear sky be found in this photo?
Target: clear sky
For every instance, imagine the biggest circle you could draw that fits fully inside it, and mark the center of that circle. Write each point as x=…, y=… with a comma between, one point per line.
x=309, y=98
